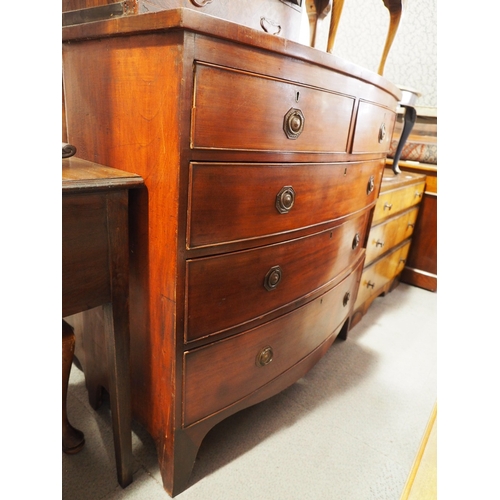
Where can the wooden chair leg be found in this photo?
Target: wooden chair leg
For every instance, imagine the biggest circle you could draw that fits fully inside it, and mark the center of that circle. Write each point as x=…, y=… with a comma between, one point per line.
x=72, y=439
x=395, y=8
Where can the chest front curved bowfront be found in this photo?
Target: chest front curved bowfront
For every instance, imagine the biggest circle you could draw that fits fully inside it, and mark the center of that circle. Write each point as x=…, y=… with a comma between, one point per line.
x=262, y=161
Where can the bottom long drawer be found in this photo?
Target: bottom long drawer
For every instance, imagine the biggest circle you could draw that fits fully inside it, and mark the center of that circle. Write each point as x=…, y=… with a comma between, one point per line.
x=218, y=375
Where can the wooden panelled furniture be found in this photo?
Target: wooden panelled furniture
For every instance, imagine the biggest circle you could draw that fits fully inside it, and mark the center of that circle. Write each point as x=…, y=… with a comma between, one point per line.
x=94, y=273
x=390, y=237
x=421, y=266
x=262, y=161
x=420, y=156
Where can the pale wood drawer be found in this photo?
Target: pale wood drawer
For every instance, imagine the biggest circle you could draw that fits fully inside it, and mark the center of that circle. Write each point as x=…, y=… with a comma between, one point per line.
x=390, y=233
x=234, y=201
x=229, y=290
x=223, y=372
x=236, y=110
x=373, y=132
x=392, y=202
x=380, y=272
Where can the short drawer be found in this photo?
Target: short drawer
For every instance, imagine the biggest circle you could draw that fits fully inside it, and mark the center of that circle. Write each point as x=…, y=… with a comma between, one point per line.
x=229, y=290
x=233, y=202
x=390, y=233
x=224, y=372
x=374, y=126
x=236, y=110
x=378, y=274
x=392, y=202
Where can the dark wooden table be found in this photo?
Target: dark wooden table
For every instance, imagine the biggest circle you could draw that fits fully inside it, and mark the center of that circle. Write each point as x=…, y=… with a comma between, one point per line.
x=95, y=272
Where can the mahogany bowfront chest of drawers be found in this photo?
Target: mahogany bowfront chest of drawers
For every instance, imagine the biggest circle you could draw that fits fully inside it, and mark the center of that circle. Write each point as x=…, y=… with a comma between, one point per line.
x=262, y=161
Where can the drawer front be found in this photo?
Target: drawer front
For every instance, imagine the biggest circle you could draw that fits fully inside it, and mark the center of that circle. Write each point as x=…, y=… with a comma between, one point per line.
x=390, y=233
x=373, y=132
x=236, y=110
x=380, y=272
x=232, y=202
x=222, y=373
x=392, y=202
x=229, y=290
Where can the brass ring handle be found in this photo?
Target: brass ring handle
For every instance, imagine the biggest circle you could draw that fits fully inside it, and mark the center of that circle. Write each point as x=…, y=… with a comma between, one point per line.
x=418, y=194
x=370, y=284
x=381, y=133
x=346, y=299
x=285, y=199
x=410, y=224
x=371, y=185
x=355, y=241
x=402, y=261
x=265, y=356
x=387, y=206
x=270, y=26
x=273, y=278
x=293, y=123
x=379, y=243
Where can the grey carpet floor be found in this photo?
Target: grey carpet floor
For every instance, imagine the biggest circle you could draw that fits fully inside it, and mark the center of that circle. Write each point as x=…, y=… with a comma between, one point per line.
x=349, y=430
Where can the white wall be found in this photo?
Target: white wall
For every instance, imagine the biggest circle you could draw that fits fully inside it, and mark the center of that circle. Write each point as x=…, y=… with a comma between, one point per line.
x=412, y=61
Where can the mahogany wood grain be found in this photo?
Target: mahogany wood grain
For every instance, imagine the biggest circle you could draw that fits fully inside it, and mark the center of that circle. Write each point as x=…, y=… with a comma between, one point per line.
x=276, y=17
x=421, y=269
x=133, y=108
x=229, y=202
x=307, y=264
x=249, y=111
x=291, y=337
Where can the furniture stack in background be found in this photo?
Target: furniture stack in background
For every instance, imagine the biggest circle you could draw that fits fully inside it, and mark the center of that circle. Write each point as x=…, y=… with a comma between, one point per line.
x=420, y=156
x=390, y=237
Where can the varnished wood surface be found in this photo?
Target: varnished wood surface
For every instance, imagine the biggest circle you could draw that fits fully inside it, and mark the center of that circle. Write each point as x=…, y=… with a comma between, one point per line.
x=95, y=266
x=421, y=269
x=291, y=337
x=393, y=224
x=274, y=17
x=83, y=175
x=229, y=202
x=190, y=20
x=307, y=265
x=390, y=233
x=139, y=106
x=391, y=201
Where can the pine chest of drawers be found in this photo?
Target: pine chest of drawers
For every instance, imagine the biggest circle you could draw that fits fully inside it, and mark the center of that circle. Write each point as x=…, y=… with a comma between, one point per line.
x=389, y=237
x=262, y=161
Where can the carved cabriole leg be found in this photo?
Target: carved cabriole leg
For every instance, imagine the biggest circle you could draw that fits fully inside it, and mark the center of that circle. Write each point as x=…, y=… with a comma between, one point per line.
x=72, y=439
x=395, y=8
